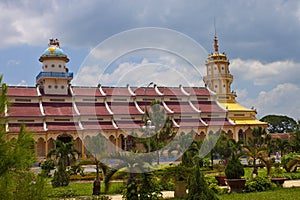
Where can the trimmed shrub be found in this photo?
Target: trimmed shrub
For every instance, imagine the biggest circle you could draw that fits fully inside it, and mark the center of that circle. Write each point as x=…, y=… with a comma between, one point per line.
x=234, y=168
x=259, y=184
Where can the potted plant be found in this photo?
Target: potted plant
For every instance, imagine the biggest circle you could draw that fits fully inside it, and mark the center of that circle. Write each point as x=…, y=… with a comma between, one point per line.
x=234, y=171
x=220, y=177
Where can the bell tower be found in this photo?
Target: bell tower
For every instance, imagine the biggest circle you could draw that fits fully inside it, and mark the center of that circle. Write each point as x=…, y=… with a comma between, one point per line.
x=55, y=76
x=218, y=78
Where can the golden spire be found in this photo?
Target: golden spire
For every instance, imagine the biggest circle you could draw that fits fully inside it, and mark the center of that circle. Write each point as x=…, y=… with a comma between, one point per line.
x=216, y=46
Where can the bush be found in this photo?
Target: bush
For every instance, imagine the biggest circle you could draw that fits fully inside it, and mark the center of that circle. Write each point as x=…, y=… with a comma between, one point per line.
x=47, y=166
x=60, y=178
x=234, y=168
x=218, y=190
x=286, y=159
x=198, y=188
x=259, y=184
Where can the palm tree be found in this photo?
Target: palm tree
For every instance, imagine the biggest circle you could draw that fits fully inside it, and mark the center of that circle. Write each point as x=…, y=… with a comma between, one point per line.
x=282, y=145
x=256, y=149
x=65, y=152
x=184, y=146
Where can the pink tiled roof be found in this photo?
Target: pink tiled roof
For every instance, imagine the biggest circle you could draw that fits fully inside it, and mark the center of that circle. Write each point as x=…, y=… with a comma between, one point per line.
x=116, y=91
x=24, y=110
x=22, y=91
x=123, y=108
x=15, y=128
x=127, y=124
x=208, y=106
x=150, y=91
x=180, y=107
x=92, y=109
x=62, y=126
x=59, y=109
x=86, y=91
x=193, y=122
x=100, y=125
x=171, y=91
x=199, y=91
x=217, y=121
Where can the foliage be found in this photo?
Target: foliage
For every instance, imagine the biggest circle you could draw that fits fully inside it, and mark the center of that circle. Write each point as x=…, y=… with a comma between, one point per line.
x=259, y=184
x=177, y=173
x=286, y=159
x=217, y=189
x=76, y=169
x=149, y=188
x=64, y=152
x=282, y=145
x=198, y=188
x=162, y=127
x=131, y=190
x=279, y=123
x=256, y=148
x=295, y=143
x=16, y=157
x=61, y=177
x=234, y=168
x=191, y=153
x=47, y=166
x=96, y=146
x=22, y=184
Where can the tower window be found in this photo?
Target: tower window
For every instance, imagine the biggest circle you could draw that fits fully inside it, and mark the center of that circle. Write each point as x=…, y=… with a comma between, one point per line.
x=216, y=86
x=62, y=87
x=49, y=86
x=223, y=85
x=55, y=86
x=222, y=68
x=46, y=66
x=52, y=65
x=59, y=66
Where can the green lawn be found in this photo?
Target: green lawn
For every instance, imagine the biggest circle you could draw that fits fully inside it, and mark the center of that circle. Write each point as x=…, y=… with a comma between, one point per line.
x=81, y=189
x=287, y=194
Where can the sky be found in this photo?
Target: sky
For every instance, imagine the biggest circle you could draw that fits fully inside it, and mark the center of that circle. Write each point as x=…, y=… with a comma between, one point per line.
x=259, y=37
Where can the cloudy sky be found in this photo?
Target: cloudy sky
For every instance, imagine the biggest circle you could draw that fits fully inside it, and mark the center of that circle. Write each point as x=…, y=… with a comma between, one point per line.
x=260, y=38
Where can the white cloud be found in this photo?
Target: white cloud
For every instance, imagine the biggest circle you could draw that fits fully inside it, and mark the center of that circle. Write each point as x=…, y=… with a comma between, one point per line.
x=23, y=83
x=284, y=99
x=266, y=73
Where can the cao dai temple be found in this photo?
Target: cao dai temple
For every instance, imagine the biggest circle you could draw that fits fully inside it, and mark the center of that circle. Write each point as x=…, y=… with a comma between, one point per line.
x=54, y=108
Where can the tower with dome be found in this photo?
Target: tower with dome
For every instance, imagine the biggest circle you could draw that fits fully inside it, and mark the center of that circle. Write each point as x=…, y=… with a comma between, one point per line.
x=55, y=77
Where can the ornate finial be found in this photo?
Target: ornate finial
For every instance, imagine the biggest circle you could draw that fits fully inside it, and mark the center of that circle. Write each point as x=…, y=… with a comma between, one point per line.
x=53, y=42
x=216, y=46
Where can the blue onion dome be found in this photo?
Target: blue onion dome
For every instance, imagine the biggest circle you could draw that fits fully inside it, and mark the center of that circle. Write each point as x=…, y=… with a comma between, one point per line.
x=54, y=51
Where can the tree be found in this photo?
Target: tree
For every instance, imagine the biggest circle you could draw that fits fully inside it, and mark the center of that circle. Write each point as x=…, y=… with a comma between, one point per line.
x=97, y=146
x=198, y=188
x=256, y=148
x=163, y=128
x=64, y=152
x=16, y=157
x=282, y=145
x=295, y=143
x=280, y=124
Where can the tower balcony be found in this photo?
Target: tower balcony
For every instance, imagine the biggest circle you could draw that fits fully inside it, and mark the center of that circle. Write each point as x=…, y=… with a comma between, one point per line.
x=64, y=75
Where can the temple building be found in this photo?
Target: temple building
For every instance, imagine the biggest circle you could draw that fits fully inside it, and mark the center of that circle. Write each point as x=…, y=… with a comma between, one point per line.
x=55, y=109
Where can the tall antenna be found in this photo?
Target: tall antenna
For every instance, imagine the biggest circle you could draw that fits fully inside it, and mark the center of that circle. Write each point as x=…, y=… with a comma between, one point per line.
x=215, y=26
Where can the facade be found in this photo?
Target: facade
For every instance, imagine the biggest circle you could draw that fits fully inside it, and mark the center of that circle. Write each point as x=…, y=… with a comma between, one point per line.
x=55, y=109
